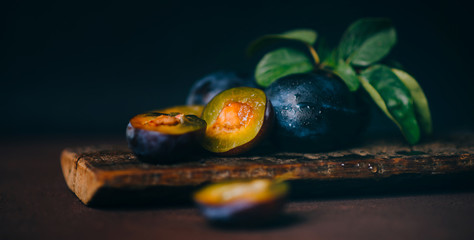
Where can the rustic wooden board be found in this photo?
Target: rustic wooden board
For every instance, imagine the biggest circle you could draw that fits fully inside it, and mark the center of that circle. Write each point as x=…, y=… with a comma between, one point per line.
x=97, y=173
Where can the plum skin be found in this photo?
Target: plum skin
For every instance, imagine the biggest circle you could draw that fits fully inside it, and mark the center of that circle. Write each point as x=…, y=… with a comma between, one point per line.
x=255, y=201
x=241, y=211
x=155, y=147
x=209, y=86
x=315, y=112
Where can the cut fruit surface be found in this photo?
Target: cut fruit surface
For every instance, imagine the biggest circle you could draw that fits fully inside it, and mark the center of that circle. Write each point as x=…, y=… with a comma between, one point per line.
x=158, y=137
x=234, y=118
x=258, y=190
x=245, y=201
x=173, y=123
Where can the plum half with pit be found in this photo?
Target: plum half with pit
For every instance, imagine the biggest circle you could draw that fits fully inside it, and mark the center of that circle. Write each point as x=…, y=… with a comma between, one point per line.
x=246, y=201
x=315, y=112
x=160, y=137
x=237, y=120
x=209, y=86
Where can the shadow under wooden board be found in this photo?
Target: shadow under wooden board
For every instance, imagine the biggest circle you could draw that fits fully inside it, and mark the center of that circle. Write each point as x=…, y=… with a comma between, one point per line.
x=112, y=175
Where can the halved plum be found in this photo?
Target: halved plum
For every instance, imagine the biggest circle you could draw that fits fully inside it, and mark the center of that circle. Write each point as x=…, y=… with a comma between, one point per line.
x=164, y=137
x=237, y=119
x=250, y=201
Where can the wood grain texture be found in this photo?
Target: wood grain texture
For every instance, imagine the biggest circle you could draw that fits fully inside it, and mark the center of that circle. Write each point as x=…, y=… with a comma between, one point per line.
x=96, y=173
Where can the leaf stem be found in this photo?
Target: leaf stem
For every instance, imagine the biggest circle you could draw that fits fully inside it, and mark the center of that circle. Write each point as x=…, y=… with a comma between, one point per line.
x=314, y=54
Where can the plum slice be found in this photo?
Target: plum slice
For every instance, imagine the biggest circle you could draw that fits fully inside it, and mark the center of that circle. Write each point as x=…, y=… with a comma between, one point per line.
x=158, y=137
x=245, y=200
x=237, y=119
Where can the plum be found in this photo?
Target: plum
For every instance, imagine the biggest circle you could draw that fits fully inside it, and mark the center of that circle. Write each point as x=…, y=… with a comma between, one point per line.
x=242, y=201
x=237, y=119
x=208, y=87
x=315, y=112
x=158, y=137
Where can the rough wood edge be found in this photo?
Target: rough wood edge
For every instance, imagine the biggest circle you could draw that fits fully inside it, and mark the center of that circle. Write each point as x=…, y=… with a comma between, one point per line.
x=320, y=170
x=81, y=180
x=85, y=181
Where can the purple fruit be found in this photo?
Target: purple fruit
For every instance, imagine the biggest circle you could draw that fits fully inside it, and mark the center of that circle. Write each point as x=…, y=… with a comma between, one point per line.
x=164, y=137
x=315, y=112
x=242, y=201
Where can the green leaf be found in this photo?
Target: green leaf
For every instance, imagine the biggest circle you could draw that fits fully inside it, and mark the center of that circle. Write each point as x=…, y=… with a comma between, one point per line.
x=323, y=48
x=367, y=40
x=331, y=59
x=326, y=53
x=419, y=100
x=279, y=63
x=377, y=99
x=306, y=36
x=348, y=75
x=391, y=95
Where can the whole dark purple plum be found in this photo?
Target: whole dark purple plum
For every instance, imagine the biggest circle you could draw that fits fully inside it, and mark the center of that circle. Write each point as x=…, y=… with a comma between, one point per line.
x=209, y=86
x=315, y=112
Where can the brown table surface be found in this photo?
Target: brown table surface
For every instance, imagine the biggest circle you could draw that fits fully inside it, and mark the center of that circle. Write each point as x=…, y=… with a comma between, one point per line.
x=36, y=204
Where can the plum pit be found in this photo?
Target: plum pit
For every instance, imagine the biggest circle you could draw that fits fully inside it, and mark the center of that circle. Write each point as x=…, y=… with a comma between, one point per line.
x=233, y=116
x=168, y=120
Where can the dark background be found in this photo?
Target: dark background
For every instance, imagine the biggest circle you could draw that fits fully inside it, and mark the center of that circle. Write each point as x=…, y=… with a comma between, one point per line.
x=77, y=68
